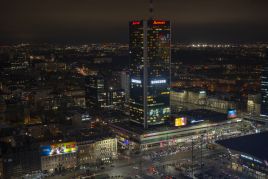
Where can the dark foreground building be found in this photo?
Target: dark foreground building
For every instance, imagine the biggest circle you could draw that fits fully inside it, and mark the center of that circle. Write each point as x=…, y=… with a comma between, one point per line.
x=253, y=153
x=20, y=158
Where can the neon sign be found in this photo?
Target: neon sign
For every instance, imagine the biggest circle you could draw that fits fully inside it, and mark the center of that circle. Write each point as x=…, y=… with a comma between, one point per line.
x=251, y=158
x=158, y=22
x=196, y=121
x=136, y=23
x=158, y=81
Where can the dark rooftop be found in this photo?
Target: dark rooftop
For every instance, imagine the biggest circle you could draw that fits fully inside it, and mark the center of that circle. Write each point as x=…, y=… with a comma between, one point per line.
x=131, y=126
x=204, y=114
x=254, y=145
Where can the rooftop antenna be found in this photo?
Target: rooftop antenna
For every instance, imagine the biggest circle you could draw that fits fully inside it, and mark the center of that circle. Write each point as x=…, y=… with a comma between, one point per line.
x=151, y=9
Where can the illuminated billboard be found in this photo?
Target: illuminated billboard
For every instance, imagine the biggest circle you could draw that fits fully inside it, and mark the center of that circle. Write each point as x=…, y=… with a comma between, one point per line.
x=180, y=121
x=58, y=149
x=231, y=114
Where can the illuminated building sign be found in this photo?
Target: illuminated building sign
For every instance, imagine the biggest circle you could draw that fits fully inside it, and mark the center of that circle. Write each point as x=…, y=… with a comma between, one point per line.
x=165, y=92
x=126, y=142
x=158, y=82
x=136, y=81
x=181, y=121
x=158, y=22
x=58, y=149
x=136, y=23
x=251, y=158
x=196, y=121
x=231, y=114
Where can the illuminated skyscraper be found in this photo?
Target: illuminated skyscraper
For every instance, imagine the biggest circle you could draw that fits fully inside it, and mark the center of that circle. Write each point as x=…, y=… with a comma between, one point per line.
x=149, y=48
x=264, y=90
x=95, y=92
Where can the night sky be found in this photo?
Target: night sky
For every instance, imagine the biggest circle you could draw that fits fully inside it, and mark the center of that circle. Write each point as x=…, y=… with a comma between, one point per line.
x=85, y=21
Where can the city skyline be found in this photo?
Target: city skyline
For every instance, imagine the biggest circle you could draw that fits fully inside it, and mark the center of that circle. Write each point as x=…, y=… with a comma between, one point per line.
x=186, y=96
x=102, y=21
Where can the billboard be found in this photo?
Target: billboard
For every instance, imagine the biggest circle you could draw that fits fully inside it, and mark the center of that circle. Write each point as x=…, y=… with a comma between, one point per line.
x=58, y=149
x=180, y=121
x=231, y=114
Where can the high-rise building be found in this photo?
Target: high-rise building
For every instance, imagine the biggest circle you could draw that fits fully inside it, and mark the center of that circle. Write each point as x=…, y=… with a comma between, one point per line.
x=253, y=104
x=149, y=48
x=125, y=83
x=95, y=92
x=264, y=89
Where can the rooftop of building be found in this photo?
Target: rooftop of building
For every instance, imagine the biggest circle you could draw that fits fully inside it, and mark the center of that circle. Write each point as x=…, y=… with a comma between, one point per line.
x=196, y=89
x=93, y=135
x=255, y=145
x=138, y=129
x=204, y=114
x=18, y=143
x=209, y=94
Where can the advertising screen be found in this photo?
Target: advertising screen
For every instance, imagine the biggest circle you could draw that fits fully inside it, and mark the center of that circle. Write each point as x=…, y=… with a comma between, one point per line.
x=58, y=149
x=181, y=121
x=231, y=114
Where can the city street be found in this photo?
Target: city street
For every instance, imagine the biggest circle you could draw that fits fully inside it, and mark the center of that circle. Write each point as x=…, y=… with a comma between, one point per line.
x=137, y=166
x=161, y=162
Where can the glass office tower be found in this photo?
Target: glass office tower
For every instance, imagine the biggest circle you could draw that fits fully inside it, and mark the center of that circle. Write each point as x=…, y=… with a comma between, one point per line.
x=149, y=48
x=264, y=88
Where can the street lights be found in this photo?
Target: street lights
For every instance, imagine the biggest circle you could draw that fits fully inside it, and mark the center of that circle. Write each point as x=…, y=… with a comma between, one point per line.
x=201, y=145
x=140, y=161
x=192, y=157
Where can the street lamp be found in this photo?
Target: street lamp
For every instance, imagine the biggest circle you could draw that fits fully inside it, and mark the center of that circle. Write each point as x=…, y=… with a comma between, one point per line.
x=192, y=156
x=201, y=145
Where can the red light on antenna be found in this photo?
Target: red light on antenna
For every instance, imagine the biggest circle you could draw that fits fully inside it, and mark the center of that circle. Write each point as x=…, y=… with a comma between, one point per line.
x=157, y=22
x=136, y=23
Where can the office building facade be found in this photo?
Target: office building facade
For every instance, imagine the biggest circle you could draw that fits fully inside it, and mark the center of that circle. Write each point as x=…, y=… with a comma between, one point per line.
x=149, y=48
x=264, y=89
x=95, y=92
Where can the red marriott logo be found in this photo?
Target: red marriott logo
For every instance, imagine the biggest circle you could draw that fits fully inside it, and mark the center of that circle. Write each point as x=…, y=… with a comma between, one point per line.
x=136, y=23
x=158, y=22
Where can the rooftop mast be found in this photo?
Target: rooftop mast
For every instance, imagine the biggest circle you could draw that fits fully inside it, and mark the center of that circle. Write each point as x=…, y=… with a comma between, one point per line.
x=151, y=10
